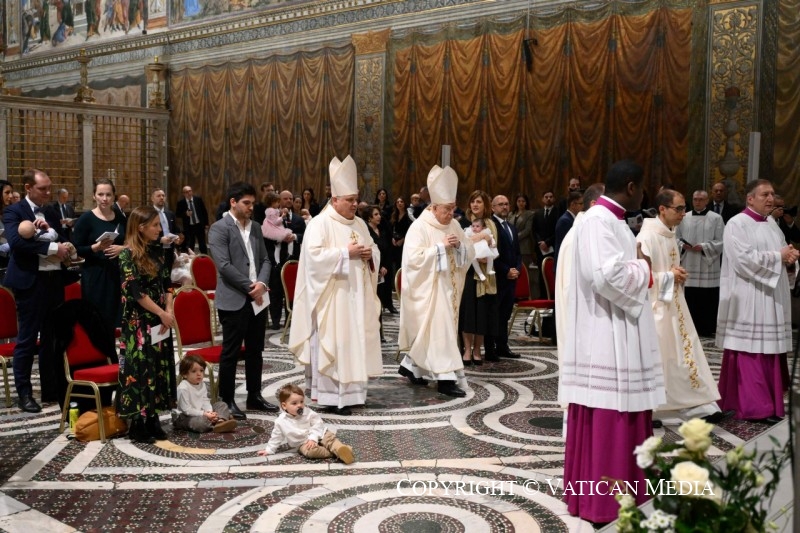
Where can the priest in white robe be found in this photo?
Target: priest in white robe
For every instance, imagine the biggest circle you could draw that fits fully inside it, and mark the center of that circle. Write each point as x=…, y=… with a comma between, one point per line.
x=690, y=387
x=754, y=322
x=611, y=373
x=335, y=330
x=436, y=257
x=700, y=238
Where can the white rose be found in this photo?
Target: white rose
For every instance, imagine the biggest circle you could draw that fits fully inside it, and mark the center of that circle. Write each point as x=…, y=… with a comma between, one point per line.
x=645, y=452
x=696, y=435
x=626, y=501
x=688, y=472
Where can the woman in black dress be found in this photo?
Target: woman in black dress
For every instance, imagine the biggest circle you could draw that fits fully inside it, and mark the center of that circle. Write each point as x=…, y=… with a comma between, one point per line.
x=399, y=223
x=478, y=313
x=309, y=202
x=100, y=274
x=372, y=216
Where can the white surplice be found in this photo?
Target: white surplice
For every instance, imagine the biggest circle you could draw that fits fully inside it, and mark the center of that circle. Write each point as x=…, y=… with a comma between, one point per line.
x=563, y=277
x=432, y=284
x=754, y=308
x=689, y=384
x=335, y=327
x=705, y=230
x=611, y=358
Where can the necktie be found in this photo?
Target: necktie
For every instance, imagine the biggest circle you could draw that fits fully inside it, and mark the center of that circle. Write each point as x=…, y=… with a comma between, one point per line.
x=63, y=211
x=191, y=208
x=546, y=212
x=717, y=209
x=508, y=230
x=37, y=210
x=164, y=223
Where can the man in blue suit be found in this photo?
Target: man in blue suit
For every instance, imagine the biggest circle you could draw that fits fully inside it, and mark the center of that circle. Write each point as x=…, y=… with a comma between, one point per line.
x=37, y=283
x=506, y=266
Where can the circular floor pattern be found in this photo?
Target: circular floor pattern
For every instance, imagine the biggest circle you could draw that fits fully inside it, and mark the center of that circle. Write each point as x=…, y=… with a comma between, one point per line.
x=536, y=422
x=421, y=523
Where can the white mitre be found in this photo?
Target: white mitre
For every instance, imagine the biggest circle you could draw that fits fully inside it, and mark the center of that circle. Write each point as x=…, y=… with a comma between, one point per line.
x=344, y=177
x=442, y=185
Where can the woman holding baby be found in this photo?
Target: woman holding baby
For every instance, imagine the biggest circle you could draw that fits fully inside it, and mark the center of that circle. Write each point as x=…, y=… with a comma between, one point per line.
x=100, y=276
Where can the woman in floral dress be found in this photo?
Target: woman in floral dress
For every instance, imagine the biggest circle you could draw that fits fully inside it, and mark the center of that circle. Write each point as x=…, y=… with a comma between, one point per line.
x=146, y=371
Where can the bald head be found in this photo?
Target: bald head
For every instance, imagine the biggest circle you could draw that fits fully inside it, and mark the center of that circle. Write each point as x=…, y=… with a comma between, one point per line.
x=286, y=199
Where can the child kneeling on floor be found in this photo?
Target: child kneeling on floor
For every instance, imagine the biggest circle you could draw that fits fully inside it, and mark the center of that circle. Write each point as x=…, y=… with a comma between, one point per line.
x=195, y=412
x=300, y=427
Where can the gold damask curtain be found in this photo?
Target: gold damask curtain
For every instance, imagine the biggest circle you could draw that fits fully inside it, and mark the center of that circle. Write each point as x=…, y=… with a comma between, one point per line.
x=604, y=85
x=279, y=119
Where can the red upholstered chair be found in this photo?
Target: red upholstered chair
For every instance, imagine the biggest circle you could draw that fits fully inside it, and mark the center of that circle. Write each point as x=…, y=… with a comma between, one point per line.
x=288, y=280
x=95, y=371
x=8, y=331
x=204, y=274
x=193, y=326
x=73, y=291
x=524, y=302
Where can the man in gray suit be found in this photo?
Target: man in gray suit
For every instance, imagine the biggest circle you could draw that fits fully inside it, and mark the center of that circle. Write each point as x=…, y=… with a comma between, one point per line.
x=243, y=271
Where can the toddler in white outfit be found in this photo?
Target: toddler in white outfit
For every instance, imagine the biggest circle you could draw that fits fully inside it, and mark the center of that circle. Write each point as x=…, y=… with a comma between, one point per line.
x=483, y=249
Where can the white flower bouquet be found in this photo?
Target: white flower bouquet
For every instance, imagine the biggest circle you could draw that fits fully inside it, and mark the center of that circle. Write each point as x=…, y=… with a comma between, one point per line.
x=690, y=493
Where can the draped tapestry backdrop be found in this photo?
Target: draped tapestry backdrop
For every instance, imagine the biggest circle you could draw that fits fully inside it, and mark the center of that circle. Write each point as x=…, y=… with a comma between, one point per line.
x=279, y=119
x=605, y=84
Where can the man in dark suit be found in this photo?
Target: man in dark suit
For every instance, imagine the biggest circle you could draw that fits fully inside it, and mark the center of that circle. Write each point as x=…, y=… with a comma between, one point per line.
x=120, y=207
x=544, y=226
x=170, y=233
x=243, y=271
x=565, y=221
x=719, y=203
x=37, y=283
x=297, y=224
x=65, y=212
x=506, y=266
x=194, y=217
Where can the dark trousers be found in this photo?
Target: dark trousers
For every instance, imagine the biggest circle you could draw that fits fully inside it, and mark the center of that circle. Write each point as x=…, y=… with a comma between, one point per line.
x=275, y=294
x=33, y=305
x=238, y=326
x=703, y=305
x=498, y=344
x=195, y=233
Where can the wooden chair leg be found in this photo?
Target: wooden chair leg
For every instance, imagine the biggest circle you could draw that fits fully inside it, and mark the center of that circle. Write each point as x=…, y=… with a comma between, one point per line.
x=286, y=327
x=65, y=409
x=101, y=422
x=6, y=385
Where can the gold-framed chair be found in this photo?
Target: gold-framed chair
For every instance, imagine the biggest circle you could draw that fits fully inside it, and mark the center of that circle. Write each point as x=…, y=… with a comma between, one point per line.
x=289, y=281
x=522, y=296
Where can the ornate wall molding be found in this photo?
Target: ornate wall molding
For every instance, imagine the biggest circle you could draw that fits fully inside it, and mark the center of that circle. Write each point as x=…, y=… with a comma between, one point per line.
x=372, y=42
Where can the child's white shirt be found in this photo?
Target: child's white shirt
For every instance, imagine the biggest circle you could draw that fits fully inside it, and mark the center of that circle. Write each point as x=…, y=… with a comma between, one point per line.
x=295, y=430
x=193, y=399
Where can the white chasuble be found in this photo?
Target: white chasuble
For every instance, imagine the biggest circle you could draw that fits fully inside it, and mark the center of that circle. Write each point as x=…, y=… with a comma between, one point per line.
x=610, y=358
x=335, y=326
x=754, y=305
x=432, y=284
x=687, y=377
x=705, y=230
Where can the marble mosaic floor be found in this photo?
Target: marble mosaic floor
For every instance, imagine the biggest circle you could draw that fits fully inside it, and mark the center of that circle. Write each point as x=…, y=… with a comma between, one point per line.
x=425, y=462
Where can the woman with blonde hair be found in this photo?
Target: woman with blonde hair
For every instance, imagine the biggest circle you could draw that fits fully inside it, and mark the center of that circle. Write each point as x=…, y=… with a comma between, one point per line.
x=146, y=370
x=478, y=312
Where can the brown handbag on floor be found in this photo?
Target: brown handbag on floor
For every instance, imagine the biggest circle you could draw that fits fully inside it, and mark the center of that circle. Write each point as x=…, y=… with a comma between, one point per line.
x=86, y=429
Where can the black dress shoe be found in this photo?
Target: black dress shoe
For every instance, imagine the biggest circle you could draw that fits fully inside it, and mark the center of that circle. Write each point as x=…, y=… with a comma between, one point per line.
x=449, y=388
x=477, y=362
x=236, y=413
x=341, y=411
x=29, y=405
x=138, y=432
x=658, y=424
x=466, y=362
x=275, y=326
x=153, y=427
x=719, y=416
x=392, y=310
x=772, y=420
x=406, y=373
x=509, y=354
x=258, y=403
x=492, y=358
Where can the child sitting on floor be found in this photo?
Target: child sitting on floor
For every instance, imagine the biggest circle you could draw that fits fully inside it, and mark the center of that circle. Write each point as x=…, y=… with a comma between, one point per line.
x=484, y=249
x=302, y=428
x=195, y=412
x=27, y=230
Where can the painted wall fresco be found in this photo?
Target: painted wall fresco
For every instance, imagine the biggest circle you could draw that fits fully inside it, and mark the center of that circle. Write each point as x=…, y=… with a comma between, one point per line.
x=38, y=26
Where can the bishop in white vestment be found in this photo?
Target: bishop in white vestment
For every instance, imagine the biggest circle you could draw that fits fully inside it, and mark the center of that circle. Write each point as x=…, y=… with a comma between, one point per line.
x=436, y=257
x=335, y=330
x=611, y=373
x=754, y=322
x=690, y=386
x=700, y=239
